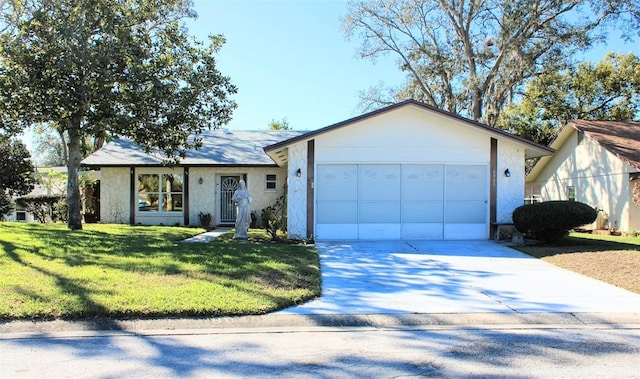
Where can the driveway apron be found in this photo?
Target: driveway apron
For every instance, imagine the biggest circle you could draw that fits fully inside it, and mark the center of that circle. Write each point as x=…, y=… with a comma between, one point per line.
x=390, y=277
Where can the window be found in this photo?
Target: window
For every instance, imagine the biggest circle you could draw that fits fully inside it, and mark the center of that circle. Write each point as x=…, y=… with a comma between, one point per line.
x=160, y=192
x=571, y=193
x=270, y=182
x=21, y=216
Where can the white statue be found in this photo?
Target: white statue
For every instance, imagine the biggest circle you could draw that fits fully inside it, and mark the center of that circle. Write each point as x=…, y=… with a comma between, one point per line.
x=242, y=199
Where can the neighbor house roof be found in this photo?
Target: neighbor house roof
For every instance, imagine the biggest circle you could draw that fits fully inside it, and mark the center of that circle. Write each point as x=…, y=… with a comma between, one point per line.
x=620, y=138
x=532, y=149
x=219, y=148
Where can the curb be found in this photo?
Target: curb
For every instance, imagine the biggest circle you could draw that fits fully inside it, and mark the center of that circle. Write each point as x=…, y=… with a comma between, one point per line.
x=293, y=323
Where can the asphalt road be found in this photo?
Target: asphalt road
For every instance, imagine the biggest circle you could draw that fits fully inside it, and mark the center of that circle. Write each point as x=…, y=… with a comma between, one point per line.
x=377, y=350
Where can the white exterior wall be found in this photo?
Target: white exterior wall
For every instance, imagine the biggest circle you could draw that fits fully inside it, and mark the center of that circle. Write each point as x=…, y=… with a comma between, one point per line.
x=297, y=194
x=207, y=194
x=202, y=196
x=406, y=135
x=601, y=179
x=510, y=190
x=114, y=195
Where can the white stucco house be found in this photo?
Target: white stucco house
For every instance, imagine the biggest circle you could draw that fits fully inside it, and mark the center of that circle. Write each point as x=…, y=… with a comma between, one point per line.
x=597, y=163
x=405, y=171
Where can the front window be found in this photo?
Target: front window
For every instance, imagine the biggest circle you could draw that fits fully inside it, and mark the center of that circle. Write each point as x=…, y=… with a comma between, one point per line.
x=571, y=193
x=270, y=182
x=160, y=192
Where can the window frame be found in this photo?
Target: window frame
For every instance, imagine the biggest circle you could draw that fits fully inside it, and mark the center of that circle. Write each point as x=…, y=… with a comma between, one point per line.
x=163, y=195
x=268, y=181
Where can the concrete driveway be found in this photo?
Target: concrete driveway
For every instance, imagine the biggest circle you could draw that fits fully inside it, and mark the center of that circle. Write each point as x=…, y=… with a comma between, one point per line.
x=392, y=277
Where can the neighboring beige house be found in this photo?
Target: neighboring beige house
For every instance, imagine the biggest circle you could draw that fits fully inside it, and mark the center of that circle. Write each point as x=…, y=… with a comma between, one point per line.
x=597, y=163
x=405, y=171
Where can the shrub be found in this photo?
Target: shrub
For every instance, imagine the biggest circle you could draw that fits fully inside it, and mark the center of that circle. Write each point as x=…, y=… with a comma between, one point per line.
x=205, y=219
x=551, y=220
x=274, y=218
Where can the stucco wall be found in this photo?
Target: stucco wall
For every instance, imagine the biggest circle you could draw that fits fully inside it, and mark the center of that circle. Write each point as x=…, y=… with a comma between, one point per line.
x=297, y=196
x=601, y=179
x=205, y=197
x=407, y=135
x=510, y=190
x=114, y=195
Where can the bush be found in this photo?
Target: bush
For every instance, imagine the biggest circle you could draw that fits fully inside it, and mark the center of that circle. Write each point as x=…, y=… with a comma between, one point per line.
x=274, y=218
x=550, y=221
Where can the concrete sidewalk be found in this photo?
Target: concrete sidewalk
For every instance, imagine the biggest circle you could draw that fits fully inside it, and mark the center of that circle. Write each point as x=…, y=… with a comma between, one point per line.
x=208, y=236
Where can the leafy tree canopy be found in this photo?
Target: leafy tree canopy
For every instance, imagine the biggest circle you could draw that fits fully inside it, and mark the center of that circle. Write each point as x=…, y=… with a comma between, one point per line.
x=116, y=67
x=16, y=172
x=279, y=124
x=470, y=56
x=607, y=90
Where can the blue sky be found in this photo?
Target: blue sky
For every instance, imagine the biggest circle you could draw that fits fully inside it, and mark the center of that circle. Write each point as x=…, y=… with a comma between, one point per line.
x=289, y=59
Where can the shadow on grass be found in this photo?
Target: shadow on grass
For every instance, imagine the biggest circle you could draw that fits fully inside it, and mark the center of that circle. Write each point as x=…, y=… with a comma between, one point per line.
x=576, y=244
x=272, y=272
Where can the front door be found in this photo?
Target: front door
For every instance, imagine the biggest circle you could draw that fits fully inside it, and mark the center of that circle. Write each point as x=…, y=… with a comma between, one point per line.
x=228, y=185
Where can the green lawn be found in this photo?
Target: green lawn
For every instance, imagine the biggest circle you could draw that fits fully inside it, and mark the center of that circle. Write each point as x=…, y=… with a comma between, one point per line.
x=47, y=271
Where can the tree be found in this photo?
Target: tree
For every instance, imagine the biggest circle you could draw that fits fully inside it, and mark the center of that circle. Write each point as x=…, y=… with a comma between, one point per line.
x=16, y=172
x=94, y=68
x=468, y=56
x=608, y=90
x=279, y=125
x=50, y=147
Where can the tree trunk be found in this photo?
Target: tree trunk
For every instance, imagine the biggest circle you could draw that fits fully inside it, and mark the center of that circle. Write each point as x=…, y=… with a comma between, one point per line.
x=65, y=152
x=74, y=220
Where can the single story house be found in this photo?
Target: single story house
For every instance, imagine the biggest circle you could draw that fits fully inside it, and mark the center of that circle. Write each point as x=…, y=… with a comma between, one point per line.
x=597, y=163
x=405, y=171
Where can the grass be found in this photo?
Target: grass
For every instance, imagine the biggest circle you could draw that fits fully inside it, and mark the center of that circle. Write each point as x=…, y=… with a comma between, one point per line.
x=49, y=272
x=611, y=259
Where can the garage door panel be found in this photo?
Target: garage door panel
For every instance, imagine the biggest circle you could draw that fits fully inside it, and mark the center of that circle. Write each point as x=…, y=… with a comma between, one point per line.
x=337, y=231
x=422, y=182
x=422, y=212
x=379, y=182
x=431, y=231
x=466, y=182
x=379, y=231
x=378, y=212
x=465, y=231
x=339, y=182
x=465, y=212
x=337, y=212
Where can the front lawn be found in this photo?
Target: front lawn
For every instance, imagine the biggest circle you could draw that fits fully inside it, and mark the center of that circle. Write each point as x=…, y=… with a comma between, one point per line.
x=611, y=259
x=47, y=271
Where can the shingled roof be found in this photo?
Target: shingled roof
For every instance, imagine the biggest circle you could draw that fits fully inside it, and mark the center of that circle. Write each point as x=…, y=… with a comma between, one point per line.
x=621, y=138
x=219, y=148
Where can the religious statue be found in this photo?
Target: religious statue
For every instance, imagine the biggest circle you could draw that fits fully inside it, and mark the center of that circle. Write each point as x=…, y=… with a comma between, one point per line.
x=242, y=199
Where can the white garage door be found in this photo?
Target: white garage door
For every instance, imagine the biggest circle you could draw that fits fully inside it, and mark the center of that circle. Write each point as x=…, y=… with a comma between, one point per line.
x=414, y=201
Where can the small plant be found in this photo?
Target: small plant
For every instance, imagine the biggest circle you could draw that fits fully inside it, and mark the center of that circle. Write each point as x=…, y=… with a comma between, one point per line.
x=205, y=219
x=550, y=221
x=274, y=218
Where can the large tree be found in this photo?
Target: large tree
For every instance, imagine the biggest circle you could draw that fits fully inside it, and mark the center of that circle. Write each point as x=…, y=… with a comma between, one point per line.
x=468, y=56
x=16, y=172
x=607, y=90
x=118, y=67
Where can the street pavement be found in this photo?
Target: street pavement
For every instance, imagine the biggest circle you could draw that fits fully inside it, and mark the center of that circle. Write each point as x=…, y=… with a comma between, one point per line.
x=445, y=309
